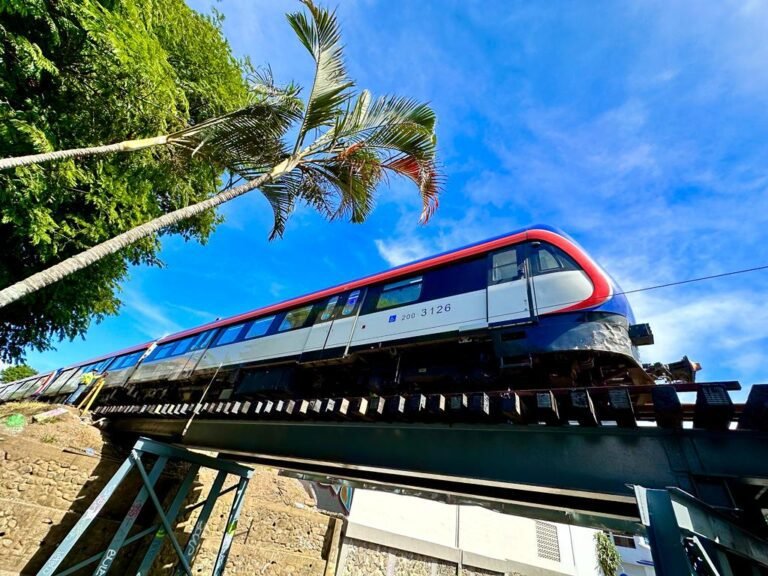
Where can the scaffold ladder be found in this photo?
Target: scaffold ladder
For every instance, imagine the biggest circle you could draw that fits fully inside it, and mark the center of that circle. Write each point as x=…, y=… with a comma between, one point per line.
x=164, y=454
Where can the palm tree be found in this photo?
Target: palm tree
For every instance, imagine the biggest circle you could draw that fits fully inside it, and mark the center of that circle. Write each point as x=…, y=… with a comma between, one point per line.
x=241, y=132
x=346, y=143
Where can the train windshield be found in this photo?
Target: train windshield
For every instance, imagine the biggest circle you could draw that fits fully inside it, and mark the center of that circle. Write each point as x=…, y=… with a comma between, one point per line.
x=545, y=258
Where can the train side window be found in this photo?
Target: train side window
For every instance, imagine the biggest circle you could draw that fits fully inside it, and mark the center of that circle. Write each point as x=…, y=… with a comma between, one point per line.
x=259, y=327
x=63, y=377
x=158, y=350
x=328, y=309
x=122, y=362
x=504, y=267
x=351, y=303
x=97, y=366
x=203, y=340
x=545, y=258
x=229, y=335
x=183, y=346
x=134, y=359
x=295, y=318
x=399, y=293
x=101, y=366
x=164, y=351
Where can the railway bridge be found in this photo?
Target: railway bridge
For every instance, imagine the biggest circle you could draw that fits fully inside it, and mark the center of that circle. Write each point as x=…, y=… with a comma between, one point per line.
x=692, y=477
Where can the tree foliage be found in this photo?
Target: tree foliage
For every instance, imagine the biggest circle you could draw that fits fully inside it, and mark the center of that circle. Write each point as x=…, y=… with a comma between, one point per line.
x=356, y=142
x=83, y=72
x=13, y=373
x=608, y=557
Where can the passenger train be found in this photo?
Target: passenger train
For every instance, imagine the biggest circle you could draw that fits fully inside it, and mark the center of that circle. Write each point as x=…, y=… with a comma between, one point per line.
x=529, y=309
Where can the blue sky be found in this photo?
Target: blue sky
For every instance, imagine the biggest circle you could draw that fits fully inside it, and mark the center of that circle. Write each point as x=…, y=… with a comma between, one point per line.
x=639, y=128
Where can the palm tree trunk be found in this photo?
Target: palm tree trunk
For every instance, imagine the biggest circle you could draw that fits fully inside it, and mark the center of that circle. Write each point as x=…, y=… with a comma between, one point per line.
x=96, y=253
x=125, y=146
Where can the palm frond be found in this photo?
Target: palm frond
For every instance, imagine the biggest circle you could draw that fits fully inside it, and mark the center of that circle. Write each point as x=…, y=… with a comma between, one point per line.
x=282, y=194
x=366, y=118
x=247, y=141
x=350, y=182
x=425, y=175
x=399, y=133
x=319, y=33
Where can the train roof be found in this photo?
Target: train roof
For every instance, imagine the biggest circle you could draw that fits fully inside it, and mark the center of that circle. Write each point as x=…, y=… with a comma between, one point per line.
x=37, y=376
x=128, y=350
x=398, y=271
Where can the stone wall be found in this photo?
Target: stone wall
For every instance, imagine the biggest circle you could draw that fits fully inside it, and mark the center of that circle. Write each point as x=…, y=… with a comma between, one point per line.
x=43, y=490
x=367, y=559
x=47, y=480
x=278, y=533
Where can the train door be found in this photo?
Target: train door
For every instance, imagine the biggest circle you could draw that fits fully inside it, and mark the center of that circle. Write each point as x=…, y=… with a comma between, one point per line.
x=196, y=350
x=318, y=333
x=509, y=293
x=344, y=322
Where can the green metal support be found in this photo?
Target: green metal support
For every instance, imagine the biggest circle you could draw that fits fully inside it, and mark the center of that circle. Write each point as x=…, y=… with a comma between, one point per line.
x=589, y=461
x=167, y=528
x=571, y=474
x=669, y=558
x=130, y=519
x=95, y=557
x=85, y=520
x=164, y=454
x=687, y=537
x=229, y=533
x=195, y=537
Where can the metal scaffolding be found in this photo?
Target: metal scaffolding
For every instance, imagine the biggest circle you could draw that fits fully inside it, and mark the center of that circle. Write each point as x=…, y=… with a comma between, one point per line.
x=164, y=454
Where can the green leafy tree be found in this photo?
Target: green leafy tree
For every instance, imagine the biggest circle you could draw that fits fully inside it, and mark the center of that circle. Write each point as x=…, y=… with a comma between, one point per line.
x=13, y=373
x=81, y=72
x=608, y=557
x=345, y=144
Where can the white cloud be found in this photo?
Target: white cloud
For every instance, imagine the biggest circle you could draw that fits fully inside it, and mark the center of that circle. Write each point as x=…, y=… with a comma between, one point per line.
x=203, y=315
x=397, y=252
x=149, y=318
x=727, y=322
x=276, y=289
x=410, y=240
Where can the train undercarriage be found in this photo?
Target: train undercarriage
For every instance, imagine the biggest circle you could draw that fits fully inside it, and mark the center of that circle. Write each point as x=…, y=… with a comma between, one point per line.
x=461, y=365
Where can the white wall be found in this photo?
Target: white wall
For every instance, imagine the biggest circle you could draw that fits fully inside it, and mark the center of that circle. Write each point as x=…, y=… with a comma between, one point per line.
x=481, y=531
x=405, y=515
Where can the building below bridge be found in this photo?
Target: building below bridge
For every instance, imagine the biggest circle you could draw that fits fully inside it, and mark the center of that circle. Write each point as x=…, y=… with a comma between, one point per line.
x=393, y=535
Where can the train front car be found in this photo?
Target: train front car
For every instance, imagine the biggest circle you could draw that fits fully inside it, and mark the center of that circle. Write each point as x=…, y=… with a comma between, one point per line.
x=574, y=324
x=525, y=310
